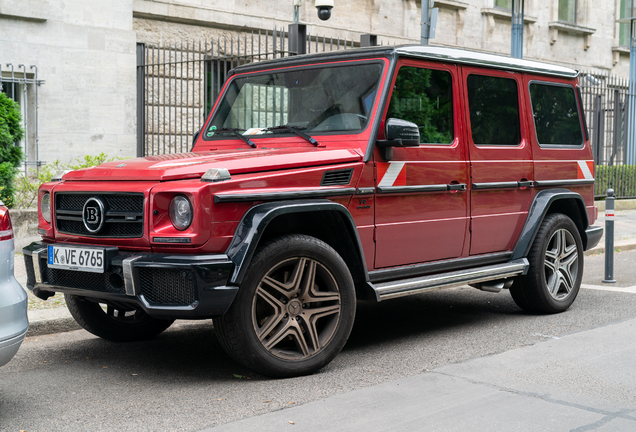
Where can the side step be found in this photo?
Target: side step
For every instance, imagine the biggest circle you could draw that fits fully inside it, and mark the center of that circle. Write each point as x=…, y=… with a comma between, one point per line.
x=404, y=287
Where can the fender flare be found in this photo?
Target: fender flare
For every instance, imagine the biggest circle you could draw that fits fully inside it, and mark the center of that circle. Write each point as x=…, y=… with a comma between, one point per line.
x=256, y=219
x=538, y=210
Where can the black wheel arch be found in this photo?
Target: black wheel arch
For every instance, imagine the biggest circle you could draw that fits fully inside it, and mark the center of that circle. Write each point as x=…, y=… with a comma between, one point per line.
x=320, y=218
x=546, y=202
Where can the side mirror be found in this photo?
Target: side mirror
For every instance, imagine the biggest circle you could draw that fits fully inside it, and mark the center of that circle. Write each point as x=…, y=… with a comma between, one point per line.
x=398, y=133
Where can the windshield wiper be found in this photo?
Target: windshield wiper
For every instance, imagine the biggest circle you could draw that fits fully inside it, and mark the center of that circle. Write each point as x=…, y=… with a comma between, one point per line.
x=236, y=132
x=295, y=130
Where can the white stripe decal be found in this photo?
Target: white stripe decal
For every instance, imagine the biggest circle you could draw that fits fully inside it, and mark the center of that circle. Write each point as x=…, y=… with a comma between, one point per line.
x=585, y=169
x=391, y=174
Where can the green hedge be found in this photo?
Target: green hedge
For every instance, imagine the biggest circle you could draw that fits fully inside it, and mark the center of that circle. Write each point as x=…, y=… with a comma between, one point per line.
x=621, y=178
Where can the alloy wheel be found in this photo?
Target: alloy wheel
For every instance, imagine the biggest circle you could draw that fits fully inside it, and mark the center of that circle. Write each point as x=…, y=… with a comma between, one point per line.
x=561, y=264
x=296, y=309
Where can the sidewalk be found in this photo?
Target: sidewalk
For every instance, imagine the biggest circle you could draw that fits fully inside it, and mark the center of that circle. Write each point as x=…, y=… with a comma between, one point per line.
x=579, y=382
x=51, y=316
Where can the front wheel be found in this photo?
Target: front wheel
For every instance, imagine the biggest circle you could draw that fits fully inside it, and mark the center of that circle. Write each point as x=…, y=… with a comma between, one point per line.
x=293, y=312
x=556, y=268
x=115, y=323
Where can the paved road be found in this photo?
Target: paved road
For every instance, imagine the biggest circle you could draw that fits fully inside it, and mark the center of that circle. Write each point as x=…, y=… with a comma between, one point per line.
x=182, y=380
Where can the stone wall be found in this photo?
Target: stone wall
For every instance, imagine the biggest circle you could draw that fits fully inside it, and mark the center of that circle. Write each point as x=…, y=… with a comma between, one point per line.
x=85, y=49
x=85, y=53
x=592, y=43
x=25, y=227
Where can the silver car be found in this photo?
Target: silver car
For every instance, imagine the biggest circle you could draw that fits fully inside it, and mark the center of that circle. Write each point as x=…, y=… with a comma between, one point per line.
x=13, y=300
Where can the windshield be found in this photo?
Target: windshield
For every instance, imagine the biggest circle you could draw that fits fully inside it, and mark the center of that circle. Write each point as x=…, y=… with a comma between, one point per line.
x=323, y=99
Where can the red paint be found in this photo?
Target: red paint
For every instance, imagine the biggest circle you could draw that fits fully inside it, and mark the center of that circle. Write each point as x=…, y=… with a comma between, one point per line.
x=394, y=229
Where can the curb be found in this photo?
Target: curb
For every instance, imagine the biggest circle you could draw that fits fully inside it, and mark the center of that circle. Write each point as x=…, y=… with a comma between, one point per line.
x=619, y=204
x=49, y=321
x=622, y=245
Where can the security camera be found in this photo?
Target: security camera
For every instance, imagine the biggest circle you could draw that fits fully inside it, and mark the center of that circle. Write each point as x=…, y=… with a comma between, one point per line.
x=324, y=9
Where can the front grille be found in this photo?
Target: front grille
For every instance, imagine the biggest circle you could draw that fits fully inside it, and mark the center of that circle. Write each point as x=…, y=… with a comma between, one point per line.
x=123, y=214
x=167, y=286
x=101, y=282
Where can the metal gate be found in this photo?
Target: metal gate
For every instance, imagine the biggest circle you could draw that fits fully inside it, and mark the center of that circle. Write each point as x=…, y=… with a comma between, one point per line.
x=177, y=83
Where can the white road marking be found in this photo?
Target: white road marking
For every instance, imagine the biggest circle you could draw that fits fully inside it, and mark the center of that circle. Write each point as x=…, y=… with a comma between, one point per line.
x=610, y=287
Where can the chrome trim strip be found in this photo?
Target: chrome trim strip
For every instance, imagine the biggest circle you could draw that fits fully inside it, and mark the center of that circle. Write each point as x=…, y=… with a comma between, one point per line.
x=411, y=189
x=365, y=191
x=495, y=185
x=36, y=263
x=406, y=287
x=570, y=182
x=129, y=280
x=269, y=196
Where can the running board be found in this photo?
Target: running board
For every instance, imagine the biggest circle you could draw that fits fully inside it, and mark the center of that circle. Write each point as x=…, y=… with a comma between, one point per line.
x=404, y=287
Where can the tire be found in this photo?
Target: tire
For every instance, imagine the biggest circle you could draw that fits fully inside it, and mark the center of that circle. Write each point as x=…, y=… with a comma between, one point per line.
x=117, y=323
x=293, y=312
x=556, y=268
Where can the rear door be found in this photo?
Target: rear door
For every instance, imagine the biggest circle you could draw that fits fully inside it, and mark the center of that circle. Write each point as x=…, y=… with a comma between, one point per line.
x=500, y=158
x=421, y=201
x=560, y=143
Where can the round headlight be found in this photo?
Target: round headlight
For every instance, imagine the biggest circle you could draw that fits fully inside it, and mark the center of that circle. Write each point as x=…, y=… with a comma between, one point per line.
x=45, y=207
x=180, y=212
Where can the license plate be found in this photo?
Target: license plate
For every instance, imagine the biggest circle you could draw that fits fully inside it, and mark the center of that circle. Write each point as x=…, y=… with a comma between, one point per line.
x=76, y=258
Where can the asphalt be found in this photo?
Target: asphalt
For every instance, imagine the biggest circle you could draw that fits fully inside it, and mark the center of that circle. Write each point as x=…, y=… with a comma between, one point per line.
x=544, y=386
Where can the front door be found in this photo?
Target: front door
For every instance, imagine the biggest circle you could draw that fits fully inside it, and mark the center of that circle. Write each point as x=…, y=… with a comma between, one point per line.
x=421, y=201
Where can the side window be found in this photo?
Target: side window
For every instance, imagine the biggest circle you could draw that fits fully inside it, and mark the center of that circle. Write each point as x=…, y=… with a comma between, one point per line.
x=556, y=116
x=494, y=110
x=424, y=97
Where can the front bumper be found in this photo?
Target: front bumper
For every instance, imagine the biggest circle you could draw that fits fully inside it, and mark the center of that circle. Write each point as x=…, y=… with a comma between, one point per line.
x=166, y=286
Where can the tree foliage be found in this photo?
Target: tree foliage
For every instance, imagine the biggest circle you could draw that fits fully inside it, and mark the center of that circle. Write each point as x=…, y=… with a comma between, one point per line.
x=11, y=133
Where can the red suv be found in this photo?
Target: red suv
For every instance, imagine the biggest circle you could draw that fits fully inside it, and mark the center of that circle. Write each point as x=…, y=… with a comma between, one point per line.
x=324, y=179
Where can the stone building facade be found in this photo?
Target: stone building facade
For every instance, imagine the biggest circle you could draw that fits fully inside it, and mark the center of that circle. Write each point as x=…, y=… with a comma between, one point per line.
x=85, y=50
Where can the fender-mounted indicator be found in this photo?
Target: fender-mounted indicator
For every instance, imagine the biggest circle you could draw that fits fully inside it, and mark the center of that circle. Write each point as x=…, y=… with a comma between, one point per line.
x=216, y=175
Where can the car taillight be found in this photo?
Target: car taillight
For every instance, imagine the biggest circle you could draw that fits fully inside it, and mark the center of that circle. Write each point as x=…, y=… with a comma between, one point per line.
x=6, y=230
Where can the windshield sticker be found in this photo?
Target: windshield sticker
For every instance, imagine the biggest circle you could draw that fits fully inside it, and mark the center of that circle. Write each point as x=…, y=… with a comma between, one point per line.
x=211, y=131
x=254, y=131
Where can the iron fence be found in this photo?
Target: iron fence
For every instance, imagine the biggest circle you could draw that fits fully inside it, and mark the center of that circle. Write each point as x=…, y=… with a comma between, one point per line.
x=20, y=83
x=177, y=83
x=605, y=100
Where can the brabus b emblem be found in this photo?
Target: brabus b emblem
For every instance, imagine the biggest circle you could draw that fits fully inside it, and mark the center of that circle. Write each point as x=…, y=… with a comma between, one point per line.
x=93, y=214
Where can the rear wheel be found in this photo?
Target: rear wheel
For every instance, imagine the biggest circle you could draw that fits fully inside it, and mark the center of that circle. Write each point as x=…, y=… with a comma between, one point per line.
x=295, y=310
x=556, y=268
x=121, y=323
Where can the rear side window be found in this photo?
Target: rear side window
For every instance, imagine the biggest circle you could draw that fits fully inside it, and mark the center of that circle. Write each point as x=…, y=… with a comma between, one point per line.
x=556, y=116
x=493, y=103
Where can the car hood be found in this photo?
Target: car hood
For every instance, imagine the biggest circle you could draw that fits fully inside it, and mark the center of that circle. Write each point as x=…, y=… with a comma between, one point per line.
x=193, y=165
